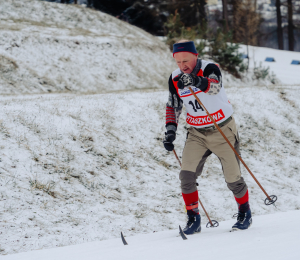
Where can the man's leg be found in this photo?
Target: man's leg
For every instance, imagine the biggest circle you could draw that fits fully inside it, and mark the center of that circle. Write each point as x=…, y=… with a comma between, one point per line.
x=194, y=156
x=231, y=168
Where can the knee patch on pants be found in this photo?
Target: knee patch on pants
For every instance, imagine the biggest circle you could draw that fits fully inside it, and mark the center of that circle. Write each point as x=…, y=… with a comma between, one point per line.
x=239, y=188
x=188, y=181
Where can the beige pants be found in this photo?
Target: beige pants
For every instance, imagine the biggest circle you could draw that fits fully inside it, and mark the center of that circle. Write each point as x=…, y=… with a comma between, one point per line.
x=199, y=145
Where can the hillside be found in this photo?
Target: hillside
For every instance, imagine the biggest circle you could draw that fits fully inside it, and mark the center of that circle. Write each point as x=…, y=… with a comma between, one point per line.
x=49, y=47
x=78, y=167
x=73, y=170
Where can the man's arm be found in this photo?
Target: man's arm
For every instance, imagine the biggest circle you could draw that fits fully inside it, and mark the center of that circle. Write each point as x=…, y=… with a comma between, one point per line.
x=173, y=108
x=214, y=79
x=210, y=83
x=173, y=111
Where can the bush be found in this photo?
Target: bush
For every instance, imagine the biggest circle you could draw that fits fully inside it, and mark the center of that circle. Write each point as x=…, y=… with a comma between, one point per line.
x=263, y=73
x=176, y=30
x=260, y=72
x=220, y=45
x=225, y=52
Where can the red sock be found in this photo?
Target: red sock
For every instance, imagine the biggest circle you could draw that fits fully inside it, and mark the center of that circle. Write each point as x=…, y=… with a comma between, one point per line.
x=243, y=199
x=243, y=203
x=191, y=201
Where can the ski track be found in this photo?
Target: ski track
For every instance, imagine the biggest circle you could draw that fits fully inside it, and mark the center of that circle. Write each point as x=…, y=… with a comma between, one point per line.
x=268, y=238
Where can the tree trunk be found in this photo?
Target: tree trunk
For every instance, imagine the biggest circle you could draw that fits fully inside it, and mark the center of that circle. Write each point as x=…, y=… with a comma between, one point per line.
x=202, y=10
x=75, y=2
x=225, y=13
x=290, y=25
x=279, y=26
x=236, y=13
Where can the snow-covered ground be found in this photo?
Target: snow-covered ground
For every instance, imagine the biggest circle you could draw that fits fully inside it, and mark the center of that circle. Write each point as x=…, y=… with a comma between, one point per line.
x=282, y=68
x=49, y=47
x=273, y=237
x=80, y=168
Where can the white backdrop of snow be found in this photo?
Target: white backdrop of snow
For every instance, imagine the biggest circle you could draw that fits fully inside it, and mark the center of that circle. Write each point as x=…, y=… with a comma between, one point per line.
x=80, y=168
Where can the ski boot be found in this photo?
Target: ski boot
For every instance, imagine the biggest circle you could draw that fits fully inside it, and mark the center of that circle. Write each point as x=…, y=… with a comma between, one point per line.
x=244, y=221
x=193, y=224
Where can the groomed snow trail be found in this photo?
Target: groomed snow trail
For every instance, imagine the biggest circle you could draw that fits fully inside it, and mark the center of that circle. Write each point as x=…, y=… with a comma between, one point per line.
x=271, y=237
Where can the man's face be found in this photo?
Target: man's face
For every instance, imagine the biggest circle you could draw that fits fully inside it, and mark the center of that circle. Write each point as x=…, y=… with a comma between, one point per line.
x=186, y=61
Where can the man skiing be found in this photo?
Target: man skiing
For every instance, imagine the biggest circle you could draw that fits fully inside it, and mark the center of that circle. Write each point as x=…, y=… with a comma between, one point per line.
x=203, y=138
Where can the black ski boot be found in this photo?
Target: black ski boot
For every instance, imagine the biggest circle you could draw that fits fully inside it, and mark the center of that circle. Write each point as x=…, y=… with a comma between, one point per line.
x=244, y=221
x=193, y=224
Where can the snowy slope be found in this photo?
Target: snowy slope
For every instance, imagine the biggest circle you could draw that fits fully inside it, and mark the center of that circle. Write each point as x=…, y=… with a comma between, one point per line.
x=273, y=237
x=287, y=73
x=80, y=168
x=49, y=47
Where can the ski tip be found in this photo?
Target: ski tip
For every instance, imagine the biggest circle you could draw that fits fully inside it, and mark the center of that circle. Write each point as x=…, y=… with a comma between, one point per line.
x=123, y=239
x=182, y=234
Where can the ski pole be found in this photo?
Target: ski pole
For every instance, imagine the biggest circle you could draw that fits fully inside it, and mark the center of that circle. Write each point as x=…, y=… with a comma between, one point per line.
x=213, y=223
x=177, y=157
x=270, y=199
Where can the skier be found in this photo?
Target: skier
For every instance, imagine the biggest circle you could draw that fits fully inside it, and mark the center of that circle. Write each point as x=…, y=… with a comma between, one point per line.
x=203, y=138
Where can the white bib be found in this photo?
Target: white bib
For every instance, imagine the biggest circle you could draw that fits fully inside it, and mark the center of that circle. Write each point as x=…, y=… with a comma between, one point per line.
x=217, y=105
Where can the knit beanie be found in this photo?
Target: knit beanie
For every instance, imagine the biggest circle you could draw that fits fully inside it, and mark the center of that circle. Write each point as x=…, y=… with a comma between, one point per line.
x=185, y=47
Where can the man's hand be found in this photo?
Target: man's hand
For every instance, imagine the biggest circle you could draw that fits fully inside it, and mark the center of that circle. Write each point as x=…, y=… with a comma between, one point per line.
x=170, y=136
x=187, y=80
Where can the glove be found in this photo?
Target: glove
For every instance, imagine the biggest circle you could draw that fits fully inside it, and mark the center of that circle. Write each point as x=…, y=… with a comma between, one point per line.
x=170, y=136
x=186, y=80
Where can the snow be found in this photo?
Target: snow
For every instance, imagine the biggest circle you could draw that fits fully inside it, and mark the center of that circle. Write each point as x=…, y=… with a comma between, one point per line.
x=49, y=47
x=282, y=67
x=78, y=167
x=273, y=237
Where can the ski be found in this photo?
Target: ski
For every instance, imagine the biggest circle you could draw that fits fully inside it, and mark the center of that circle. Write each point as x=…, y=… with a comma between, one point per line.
x=182, y=234
x=123, y=239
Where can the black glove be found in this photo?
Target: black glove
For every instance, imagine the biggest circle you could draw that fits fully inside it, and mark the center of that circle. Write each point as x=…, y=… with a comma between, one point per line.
x=170, y=136
x=186, y=80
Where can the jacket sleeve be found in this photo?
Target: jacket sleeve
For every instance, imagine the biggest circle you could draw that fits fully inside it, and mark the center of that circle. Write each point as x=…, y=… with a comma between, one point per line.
x=211, y=82
x=173, y=108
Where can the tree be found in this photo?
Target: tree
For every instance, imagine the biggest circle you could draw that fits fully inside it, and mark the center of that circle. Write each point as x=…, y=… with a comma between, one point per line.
x=236, y=14
x=112, y=7
x=279, y=25
x=191, y=12
x=245, y=22
x=290, y=25
x=225, y=14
